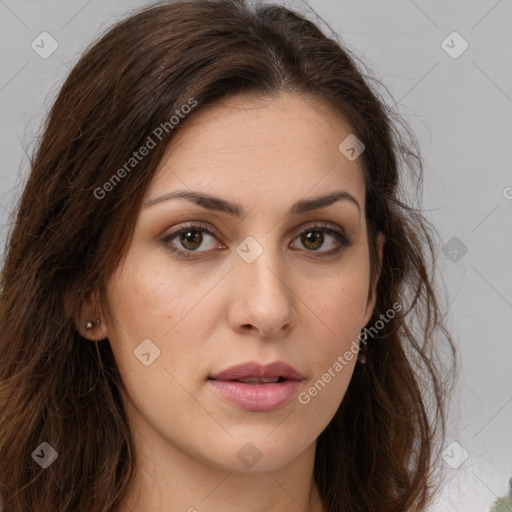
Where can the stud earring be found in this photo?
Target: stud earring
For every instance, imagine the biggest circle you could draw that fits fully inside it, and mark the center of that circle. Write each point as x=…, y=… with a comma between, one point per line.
x=90, y=325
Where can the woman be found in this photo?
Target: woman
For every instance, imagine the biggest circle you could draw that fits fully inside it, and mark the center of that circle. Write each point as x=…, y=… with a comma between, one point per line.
x=214, y=296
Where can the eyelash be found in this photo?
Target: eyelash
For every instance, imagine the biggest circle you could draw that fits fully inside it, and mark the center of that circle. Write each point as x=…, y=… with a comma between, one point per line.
x=323, y=227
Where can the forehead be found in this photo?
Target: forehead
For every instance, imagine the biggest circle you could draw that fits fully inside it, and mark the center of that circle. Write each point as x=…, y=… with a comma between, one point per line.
x=263, y=147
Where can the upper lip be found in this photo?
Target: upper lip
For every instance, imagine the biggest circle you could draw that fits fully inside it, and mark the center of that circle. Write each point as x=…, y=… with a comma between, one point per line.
x=257, y=370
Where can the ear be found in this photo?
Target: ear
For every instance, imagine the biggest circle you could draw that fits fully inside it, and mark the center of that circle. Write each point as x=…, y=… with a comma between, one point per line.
x=90, y=312
x=371, y=303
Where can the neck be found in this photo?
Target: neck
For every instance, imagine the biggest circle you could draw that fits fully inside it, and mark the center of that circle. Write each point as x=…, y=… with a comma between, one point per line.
x=172, y=481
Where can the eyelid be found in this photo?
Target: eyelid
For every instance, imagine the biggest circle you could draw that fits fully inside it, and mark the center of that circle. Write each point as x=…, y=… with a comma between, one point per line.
x=210, y=229
x=194, y=224
x=330, y=228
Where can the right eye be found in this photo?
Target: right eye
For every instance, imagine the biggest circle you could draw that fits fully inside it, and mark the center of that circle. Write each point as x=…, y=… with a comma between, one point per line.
x=189, y=239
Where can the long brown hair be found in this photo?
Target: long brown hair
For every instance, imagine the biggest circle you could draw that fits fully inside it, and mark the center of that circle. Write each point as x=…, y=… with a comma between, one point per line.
x=67, y=236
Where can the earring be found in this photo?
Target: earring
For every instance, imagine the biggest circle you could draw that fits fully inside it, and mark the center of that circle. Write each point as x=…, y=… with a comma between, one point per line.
x=362, y=357
x=90, y=325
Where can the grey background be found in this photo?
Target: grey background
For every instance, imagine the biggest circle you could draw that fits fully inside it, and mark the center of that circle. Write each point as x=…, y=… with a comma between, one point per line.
x=460, y=109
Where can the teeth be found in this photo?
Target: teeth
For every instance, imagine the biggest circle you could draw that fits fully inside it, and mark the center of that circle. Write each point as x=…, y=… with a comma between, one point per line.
x=258, y=380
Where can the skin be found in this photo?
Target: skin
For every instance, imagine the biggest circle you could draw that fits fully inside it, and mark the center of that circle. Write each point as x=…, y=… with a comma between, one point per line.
x=208, y=313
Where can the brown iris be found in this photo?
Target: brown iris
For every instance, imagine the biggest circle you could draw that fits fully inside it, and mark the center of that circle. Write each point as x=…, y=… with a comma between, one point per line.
x=312, y=239
x=193, y=237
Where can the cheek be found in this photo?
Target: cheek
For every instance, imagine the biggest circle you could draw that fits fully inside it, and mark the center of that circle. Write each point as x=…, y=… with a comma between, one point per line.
x=339, y=307
x=146, y=304
x=147, y=299
x=151, y=302
x=336, y=316
x=333, y=358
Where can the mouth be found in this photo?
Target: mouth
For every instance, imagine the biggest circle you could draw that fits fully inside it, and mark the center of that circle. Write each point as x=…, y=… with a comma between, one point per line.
x=255, y=380
x=256, y=372
x=255, y=387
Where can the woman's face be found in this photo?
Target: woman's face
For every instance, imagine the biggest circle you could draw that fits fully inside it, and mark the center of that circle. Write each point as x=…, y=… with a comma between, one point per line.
x=274, y=284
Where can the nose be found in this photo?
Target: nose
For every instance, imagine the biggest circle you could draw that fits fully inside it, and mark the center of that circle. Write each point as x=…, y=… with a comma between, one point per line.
x=262, y=298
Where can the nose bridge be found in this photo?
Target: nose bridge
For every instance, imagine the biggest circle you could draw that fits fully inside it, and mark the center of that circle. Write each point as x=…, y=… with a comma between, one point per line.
x=264, y=298
x=260, y=262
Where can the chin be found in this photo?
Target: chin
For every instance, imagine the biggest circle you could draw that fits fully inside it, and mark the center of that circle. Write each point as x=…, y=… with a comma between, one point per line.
x=255, y=453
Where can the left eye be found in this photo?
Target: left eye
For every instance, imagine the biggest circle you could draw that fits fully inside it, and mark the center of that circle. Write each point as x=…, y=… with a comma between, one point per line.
x=192, y=237
x=314, y=239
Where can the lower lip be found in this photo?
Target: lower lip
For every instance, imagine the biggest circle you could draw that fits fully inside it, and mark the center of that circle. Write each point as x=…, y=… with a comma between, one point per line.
x=256, y=397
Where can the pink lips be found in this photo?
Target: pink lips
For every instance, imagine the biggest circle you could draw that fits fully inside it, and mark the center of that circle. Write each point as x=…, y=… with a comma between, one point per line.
x=257, y=395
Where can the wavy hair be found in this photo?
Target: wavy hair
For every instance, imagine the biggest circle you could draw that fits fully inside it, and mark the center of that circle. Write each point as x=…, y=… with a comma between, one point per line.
x=379, y=452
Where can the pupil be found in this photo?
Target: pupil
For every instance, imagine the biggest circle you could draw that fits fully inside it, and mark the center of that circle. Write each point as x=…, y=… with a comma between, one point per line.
x=193, y=237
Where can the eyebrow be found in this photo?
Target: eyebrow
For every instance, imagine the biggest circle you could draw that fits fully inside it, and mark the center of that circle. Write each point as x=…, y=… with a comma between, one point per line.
x=222, y=205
